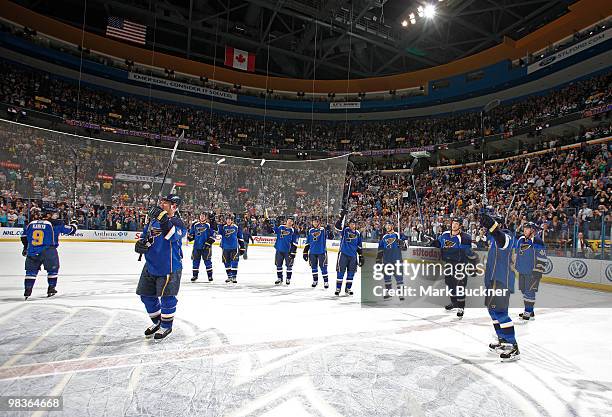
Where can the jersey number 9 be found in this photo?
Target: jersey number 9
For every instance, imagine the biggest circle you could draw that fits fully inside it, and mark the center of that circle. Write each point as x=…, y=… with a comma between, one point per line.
x=38, y=236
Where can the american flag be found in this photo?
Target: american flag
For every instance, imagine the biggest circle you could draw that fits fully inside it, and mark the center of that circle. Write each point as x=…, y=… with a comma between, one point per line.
x=124, y=29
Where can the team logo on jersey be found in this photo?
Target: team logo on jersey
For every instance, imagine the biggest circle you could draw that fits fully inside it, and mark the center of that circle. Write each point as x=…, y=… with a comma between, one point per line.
x=229, y=232
x=285, y=232
x=577, y=269
x=200, y=230
x=316, y=235
x=389, y=241
x=154, y=232
x=609, y=272
x=449, y=244
x=548, y=267
x=524, y=247
x=351, y=236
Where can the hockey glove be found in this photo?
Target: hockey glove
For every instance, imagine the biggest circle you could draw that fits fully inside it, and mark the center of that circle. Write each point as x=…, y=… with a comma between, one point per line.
x=360, y=260
x=488, y=222
x=190, y=237
x=158, y=213
x=24, y=242
x=142, y=246
x=209, y=242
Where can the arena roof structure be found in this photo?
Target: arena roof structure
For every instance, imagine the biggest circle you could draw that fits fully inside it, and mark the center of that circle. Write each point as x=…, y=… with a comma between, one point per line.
x=320, y=39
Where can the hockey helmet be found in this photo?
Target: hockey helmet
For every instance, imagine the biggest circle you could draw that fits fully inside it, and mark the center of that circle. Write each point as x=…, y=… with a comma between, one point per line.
x=173, y=199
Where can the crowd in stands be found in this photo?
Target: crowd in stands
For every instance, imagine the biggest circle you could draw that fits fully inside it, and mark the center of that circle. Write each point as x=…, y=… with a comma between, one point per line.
x=566, y=190
x=33, y=89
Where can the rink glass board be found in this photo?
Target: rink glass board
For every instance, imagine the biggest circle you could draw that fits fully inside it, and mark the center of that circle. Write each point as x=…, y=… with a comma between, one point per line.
x=39, y=164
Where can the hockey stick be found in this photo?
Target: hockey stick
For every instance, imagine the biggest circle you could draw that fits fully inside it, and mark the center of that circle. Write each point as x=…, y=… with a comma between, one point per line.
x=514, y=195
x=161, y=186
x=490, y=106
x=416, y=196
x=219, y=162
x=74, y=189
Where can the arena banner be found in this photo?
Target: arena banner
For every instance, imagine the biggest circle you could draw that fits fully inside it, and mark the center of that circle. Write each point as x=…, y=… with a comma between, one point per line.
x=342, y=105
x=571, y=50
x=597, y=110
x=177, y=85
x=126, y=132
x=140, y=178
x=13, y=234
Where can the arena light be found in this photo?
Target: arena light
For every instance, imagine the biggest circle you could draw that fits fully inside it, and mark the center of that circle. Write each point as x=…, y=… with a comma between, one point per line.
x=220, y=161
x=263, y=161
x=404, y=23
x=429, y=11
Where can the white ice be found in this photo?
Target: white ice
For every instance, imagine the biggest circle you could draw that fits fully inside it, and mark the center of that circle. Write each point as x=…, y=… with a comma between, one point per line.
x=256, y=349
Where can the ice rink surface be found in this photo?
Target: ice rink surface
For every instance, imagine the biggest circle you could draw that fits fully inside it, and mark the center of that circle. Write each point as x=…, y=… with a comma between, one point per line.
x=256, y=349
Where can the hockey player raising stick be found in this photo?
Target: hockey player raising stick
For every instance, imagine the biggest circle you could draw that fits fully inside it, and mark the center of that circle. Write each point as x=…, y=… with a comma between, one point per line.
x=499, y=275
x=202, y=234
x=40, y=239
x=350, y=253
x=315, y=252
x=160, y=279
x=286, y=248
x=456, y=249
x=232, y=245
x=530, y=262
x=390, y=252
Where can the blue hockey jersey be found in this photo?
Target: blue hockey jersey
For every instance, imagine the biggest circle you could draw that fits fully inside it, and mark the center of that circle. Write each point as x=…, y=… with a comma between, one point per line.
x=530, y=253
x=231, y=236
x=286, y=238
x=391, y=247
x=200, y=233
x=42, y=234
x=317, y=240
x=455, y=248
x=350, y=242
x=165, y=254
x=499, y=263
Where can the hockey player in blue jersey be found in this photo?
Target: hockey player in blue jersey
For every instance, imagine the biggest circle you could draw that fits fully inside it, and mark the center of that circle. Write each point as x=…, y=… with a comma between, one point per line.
x=350, y=255
x=531, y=259
x=456, y=248
x=232, y=245
x=202, y=234
x=499, y=275
x=315, y=252
x=160, y=279
x=390, y=252
x=40, y=239
x=286, y=248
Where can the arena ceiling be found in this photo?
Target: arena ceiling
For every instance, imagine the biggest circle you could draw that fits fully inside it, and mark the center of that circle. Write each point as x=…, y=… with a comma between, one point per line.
x=322, y=39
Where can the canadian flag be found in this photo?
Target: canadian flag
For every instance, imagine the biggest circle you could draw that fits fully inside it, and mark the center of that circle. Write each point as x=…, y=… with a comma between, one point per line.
x=239, y=59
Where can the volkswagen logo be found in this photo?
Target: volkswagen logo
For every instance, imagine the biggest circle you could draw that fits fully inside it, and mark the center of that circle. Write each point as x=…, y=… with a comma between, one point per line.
x=577, y=269
x=609, y=272
x=548, y=267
